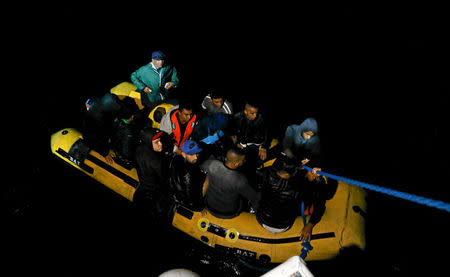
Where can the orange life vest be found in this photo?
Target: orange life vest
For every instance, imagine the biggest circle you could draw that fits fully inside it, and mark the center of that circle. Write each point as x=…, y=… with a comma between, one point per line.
x=176, y=130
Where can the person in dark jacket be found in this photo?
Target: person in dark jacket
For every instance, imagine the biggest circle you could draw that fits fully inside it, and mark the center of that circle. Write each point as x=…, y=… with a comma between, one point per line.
x=279, y=205
x=151, y=159
x=250, y=133
x=124, y=139
x=283, y=188
x=302, y=142
x=250, y=130
x=187, y=181
x=315, y=191
x=98, y=121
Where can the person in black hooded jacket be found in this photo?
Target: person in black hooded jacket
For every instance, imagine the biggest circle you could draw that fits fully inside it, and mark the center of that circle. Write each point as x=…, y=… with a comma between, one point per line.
x=98, y=121
x=151, y=156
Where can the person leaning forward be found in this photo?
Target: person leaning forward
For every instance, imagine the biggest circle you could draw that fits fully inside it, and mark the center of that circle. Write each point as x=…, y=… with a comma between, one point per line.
x=283, y=188
x=228, y=187
x=215, y=102
x=155, y=81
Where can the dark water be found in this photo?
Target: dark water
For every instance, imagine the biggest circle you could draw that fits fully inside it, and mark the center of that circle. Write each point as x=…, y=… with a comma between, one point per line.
x=376, y=78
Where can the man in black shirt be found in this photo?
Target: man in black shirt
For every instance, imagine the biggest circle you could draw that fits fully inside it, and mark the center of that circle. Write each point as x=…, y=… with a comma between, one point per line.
x=250, y=133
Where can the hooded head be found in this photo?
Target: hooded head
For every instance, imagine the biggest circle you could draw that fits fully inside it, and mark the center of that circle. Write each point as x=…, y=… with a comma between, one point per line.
x=307, y=132
x=309, y=124
x=149, y=135
x=110, y=103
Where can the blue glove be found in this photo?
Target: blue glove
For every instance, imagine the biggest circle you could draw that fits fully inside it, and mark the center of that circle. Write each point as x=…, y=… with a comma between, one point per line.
x=211, y=139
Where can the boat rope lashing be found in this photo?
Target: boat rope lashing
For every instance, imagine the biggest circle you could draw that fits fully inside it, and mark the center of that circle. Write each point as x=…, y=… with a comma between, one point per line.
x=306, y=246
x=402, y=195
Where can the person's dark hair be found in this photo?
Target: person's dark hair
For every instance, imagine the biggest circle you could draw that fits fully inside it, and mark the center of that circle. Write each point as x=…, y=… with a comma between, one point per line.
x=158, y=114
x=146, y=135
x=216, y=93
x=284, y=164
x=110, y=103
x=186, y=105
x=233, y=154
x=253, y=103
x=128, y=108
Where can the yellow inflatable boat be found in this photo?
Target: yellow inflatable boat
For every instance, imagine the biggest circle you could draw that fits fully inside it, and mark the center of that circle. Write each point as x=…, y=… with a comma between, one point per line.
x=341, y=226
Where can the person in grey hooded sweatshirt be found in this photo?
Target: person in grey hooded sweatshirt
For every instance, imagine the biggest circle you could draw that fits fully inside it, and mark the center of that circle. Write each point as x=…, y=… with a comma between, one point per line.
x=301, y=142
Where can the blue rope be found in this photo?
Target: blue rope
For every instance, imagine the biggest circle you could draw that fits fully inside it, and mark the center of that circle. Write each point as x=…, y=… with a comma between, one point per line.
x=403, y=195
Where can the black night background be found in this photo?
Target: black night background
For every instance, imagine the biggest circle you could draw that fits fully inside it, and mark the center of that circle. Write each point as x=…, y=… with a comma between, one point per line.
x=376, y=77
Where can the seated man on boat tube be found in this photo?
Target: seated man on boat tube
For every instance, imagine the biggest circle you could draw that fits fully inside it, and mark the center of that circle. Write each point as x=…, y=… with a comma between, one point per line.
x=228, y=188
x=283, y=188
x=109, y=128
x=187, y=182
x=250, y=133
x=124, y=138
x=98, y=121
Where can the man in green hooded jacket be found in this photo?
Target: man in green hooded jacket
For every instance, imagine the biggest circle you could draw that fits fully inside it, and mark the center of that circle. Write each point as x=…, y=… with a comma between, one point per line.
x=155, y=80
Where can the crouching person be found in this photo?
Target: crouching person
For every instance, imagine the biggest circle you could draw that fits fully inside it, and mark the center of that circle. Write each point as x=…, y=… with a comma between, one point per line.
x=187, y=182
x=283, y=188
x=279, y=206
x=228, y=188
